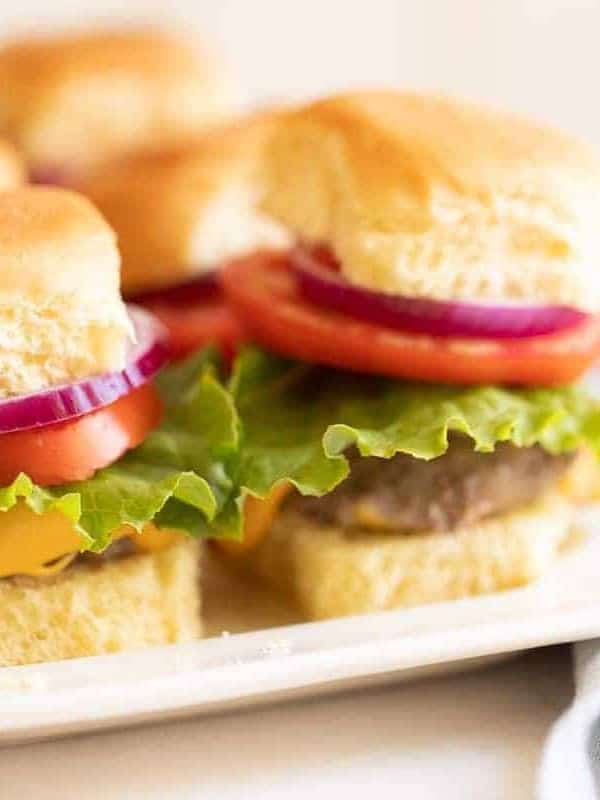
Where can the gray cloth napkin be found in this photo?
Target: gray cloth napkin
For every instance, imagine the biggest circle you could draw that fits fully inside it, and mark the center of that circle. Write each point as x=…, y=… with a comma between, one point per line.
x=570, y=766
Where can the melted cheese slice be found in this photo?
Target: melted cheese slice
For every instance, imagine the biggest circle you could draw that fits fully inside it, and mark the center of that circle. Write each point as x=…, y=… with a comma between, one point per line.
x=581, y=484
x=44, y=544
x=258, y=518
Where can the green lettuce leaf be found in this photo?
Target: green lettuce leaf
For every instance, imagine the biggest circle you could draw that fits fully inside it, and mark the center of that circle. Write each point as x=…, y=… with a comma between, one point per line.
x=181, y=476
x=279, y=420
x=297, y=420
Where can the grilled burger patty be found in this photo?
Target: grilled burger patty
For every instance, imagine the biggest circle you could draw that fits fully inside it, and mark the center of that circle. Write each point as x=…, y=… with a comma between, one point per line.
x=403, y=493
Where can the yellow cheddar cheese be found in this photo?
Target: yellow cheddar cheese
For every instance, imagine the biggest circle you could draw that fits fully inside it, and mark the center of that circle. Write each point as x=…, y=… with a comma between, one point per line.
x=581, y=484
x=43, y=544
x=258, y=518
x=153, y=539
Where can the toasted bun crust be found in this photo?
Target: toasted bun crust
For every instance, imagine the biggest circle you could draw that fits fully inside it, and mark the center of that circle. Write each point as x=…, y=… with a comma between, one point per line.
x=12, y=167
x=425, y=196
x=332, y=574
x=184, y=211
x=131, y=602
x=79, y=99
x=61, y=314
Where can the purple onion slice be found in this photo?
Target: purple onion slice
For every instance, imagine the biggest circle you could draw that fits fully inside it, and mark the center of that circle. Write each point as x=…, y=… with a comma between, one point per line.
x=326, y=287
x=61, y=403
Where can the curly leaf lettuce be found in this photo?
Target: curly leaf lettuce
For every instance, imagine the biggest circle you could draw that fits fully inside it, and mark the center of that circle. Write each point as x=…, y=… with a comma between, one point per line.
x=279, y=420
x=297, y=420
x=180, y=477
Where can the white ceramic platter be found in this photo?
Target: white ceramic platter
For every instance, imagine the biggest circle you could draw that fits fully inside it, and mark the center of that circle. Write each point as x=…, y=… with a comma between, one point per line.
x=236, y=669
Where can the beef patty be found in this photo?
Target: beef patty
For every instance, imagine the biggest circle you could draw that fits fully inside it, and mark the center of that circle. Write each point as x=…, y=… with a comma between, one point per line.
x=457, y=489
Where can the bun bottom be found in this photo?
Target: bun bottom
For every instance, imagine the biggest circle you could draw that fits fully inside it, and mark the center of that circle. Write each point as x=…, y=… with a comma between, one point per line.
x=121, y=604
x=331, y=573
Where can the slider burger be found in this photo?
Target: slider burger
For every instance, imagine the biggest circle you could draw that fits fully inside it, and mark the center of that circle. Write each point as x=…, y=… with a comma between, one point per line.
x=412, y=419
x=73, y=101
x=94, y=495
x=179, y=215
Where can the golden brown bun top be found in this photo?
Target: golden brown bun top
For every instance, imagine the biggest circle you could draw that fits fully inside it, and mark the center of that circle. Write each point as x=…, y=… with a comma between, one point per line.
x=181, y=212
x=428, y=196
x=78, y=99
x=48, y=237
x=61, y=314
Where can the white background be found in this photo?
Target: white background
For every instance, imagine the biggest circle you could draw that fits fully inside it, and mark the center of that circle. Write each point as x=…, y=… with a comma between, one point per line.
x=541, y=56
x=476, y=736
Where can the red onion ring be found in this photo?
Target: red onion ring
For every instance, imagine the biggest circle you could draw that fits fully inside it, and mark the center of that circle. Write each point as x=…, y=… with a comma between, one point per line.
x=203, y=288
x=61, y=403
x=320, y=283
x=51, y=176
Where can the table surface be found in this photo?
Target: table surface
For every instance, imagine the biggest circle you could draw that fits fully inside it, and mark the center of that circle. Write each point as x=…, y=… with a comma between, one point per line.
x=474, y=735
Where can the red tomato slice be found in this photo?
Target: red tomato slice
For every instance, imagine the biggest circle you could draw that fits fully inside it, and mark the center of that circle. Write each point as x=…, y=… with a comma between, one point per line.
x=74, y=450
x=262, y=292
x=194, y=326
